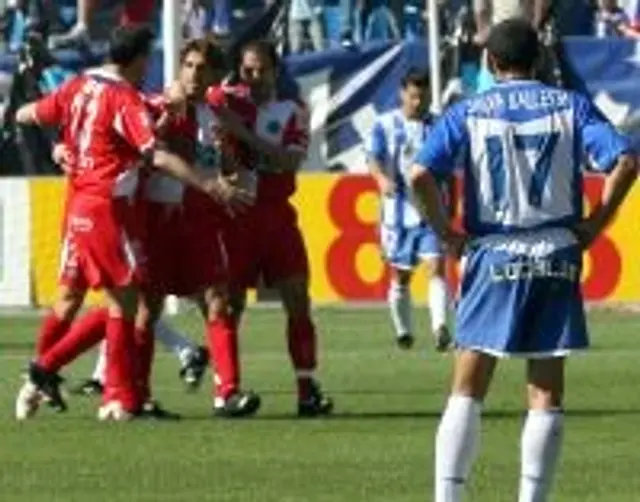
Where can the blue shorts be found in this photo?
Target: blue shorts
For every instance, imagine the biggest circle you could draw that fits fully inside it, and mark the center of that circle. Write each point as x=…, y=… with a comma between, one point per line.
x=517, y=299
x=404, y=248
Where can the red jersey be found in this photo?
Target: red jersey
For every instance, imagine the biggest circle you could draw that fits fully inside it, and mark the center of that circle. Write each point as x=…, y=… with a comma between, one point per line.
x=284, y=123
x=178, y=133
x=108, y=128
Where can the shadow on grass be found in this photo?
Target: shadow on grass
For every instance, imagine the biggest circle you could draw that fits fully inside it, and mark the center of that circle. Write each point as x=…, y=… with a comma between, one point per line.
x=416, y=414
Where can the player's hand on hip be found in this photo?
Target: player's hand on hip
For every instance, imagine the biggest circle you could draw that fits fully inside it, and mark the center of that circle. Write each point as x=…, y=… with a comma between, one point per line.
x=587, y=232
x=455, y=243
x=63, y=157
x=387, y=186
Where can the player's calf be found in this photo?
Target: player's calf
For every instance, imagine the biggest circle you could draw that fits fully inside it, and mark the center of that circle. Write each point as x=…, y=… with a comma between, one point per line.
x=302, y=344
x=400, y=306
x=457, y=436
x=121, y=389
x=222, y=334
x=542, y=432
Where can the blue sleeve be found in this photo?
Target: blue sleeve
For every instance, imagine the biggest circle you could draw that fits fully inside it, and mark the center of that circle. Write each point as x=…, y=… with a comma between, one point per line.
x=377, y=144
x=439, y=153
x=600, y=141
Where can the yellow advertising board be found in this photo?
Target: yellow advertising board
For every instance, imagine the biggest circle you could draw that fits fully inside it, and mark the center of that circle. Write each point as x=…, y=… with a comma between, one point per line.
x=338, y=215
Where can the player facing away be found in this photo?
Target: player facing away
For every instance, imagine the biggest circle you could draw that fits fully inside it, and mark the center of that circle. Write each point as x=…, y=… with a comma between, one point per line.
x=267, y=242
x=520, y=294
x=108, y=129
x=406, y=238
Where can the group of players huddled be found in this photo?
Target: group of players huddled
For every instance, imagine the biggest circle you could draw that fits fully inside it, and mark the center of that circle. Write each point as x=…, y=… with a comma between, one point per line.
x=183, y=193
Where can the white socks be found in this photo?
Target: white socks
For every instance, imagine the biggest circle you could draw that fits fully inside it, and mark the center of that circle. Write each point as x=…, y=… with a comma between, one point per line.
x=101, y=363
x=399, y=299
x=540, y=444
x=456, y=447
x=438, y=302
x=174, y=341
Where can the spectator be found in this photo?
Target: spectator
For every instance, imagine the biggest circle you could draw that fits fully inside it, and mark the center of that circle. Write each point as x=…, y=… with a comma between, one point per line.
x=221, y=25
x=381, y=22
x=350, y=20
x=612, y=20
x=134, y=11
x=303, y=17
x=490, y=12
x=194, y=20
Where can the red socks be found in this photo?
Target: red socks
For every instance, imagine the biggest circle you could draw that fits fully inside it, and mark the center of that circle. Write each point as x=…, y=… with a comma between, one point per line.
x=222, y=336
x=302, y=344
x=145, y=349
x=84, y=333
x=121, y=372
x=52, y=329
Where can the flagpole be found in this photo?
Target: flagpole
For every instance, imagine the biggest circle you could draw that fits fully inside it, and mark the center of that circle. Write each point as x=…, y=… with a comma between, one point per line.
x=171, y=39
x=435, y=67
x=171, y=43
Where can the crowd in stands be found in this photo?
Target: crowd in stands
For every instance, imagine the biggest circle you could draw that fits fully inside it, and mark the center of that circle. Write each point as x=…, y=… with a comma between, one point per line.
x=318, y=24
x=313, y=25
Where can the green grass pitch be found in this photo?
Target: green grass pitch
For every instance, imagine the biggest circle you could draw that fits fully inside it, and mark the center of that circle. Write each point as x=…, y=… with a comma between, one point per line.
x=378, y=447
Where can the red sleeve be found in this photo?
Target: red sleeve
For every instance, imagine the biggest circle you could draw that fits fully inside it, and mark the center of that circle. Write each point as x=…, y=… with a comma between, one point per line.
x=50, y=109
x=155, y=103
x=215, y=96
x=133, y=124
x=296, y=131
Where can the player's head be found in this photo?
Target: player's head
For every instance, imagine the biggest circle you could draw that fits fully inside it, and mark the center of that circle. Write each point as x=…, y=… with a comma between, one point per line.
x=202, y=63
x=129, y=49
x=259, y=65
x=414, y=93
x=513, y=48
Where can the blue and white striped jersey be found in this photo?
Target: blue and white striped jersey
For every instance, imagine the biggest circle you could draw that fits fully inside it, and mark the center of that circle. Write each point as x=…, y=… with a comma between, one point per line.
x=394, y=142
x=523, y=145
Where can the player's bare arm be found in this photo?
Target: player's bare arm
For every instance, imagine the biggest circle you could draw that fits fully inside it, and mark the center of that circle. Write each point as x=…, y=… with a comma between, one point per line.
x=280, y=158
x=217, y=188
x=384, y=182
x=26, y=114
x=616, y=187
x=428, y=201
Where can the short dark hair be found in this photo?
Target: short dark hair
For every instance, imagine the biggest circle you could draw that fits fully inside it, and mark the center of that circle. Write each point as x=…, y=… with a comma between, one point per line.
x=213, y=54
x=264, y=48
x=128, y=43
x=514, y=45
x=416, y=77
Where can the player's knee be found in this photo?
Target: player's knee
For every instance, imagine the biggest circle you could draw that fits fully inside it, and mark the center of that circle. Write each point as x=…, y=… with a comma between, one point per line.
x=436, y=267
x=149, y=311
x=473, y=372
x=400, y=279
x=123, y=303
x=216, y=303
x=237, y=304
x=544, y=399
x=295, y=296
x=545, y=380
x=68, y=304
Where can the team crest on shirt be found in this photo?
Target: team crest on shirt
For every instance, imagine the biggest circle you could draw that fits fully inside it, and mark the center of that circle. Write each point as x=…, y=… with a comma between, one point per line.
x=273, y=127
x=408, y=150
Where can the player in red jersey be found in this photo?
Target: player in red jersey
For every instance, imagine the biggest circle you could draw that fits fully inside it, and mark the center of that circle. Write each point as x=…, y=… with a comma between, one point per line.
x=271, y=135
x=191, y=259
x=185, y=255
x=110, y=133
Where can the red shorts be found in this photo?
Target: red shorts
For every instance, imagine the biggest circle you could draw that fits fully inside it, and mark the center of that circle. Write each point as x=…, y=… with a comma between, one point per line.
x=184, y=255
x=101, y=244
x=265, y=243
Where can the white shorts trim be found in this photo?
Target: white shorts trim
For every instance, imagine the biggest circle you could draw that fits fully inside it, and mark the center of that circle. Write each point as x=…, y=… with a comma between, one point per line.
x=524, y=355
